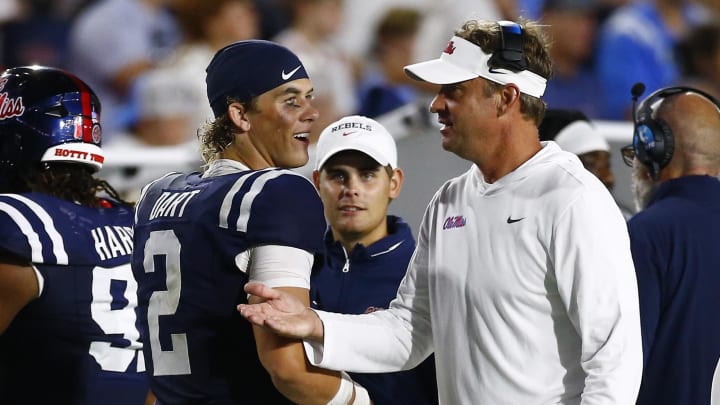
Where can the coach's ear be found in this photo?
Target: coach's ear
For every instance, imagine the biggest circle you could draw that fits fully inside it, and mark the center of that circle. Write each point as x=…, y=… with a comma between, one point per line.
x=236, y=113
x=509, y=95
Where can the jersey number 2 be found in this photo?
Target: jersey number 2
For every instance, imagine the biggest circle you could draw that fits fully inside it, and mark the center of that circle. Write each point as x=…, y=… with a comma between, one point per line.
x=175, y=361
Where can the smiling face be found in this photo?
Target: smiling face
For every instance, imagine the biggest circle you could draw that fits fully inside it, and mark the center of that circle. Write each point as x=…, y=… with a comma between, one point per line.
x=279, y=124
x=356, y=191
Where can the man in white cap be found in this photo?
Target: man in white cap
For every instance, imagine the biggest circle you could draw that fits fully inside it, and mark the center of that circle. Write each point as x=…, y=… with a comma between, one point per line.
x=367, y=251
x=522, y=282
x=573, y=132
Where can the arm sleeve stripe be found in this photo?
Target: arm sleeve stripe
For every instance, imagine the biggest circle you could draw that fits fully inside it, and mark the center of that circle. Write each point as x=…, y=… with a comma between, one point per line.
x=58, y=246
x=26, y=228
x=249, y=197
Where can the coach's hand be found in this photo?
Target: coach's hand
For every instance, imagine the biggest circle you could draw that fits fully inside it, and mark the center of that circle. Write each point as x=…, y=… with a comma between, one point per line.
x=282, y=313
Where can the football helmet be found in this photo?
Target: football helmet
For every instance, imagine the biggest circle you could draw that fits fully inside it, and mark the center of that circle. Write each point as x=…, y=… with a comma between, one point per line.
x=47, y=115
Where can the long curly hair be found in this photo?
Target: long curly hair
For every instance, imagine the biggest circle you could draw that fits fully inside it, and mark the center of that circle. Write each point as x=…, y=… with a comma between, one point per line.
x=67, y=181
x=217, y=135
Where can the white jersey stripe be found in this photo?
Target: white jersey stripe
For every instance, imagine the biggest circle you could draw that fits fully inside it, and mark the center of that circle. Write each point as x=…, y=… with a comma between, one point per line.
x=227, y=201
x=249, y=197
x=58, y=246
x=26, y=229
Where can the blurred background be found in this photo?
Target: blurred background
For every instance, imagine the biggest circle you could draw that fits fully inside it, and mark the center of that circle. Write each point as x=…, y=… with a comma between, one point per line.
x=146, y=60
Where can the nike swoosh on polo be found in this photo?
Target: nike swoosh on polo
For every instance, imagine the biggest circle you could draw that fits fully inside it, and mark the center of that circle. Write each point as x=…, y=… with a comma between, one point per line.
x=286, y=76
x=512, y=221
x=348, y=133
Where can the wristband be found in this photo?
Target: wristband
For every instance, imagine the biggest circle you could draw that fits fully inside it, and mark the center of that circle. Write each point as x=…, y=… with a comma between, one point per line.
x=361, y=395
x=343, y=396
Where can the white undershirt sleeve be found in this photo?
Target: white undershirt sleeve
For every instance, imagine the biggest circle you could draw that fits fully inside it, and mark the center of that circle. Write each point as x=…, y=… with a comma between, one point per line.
x=277, y=266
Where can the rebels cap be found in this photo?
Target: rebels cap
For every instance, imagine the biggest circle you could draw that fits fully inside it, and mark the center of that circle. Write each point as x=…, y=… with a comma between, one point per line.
x=358, y=133
x=246, y=69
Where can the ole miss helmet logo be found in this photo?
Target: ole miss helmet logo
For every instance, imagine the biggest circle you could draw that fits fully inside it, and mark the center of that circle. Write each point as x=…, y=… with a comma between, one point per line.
x=9, y=106
x=450, y=48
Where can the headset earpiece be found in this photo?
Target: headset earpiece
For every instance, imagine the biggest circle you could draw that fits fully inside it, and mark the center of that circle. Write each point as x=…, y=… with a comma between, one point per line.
x=653, y=143
x=653, y=140
x=510, y=55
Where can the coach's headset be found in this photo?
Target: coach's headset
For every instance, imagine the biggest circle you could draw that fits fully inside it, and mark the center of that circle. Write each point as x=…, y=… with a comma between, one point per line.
x=510, y=55
x=653, y=141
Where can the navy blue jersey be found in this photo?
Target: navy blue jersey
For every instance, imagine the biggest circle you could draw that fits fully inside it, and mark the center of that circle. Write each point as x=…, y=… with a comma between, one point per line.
x=78, y=342
x=366, y=280
x=189, y=233
x=674, y=243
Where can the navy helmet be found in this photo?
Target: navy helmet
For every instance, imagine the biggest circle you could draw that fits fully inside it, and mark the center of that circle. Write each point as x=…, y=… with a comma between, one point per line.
x=47, y=115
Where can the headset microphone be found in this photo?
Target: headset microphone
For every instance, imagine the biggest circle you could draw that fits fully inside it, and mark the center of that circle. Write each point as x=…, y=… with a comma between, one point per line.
x=637, y=90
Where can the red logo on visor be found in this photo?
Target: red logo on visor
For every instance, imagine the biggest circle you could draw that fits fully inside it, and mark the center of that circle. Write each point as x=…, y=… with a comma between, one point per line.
x=450, y=48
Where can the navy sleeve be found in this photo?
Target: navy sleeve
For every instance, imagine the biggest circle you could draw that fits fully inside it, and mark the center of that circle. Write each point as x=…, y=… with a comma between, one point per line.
x=288, y=212
x=649, y=278
x=23, y=233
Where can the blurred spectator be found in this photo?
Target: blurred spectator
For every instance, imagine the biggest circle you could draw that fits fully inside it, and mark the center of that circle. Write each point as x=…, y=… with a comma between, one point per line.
x=713, y=6
x=573, y=132
x=700, y=58
x=162, y=133
x=206, y=26
x=571, y=26
x=311, y=36
x=114, y=41
x=274, y=16
x=356, y=37
x=37, y=34
x=637, y=43
x=384, y=86
x=442, y=17
x=67, y=9
x=533, y=9
x=9, y=9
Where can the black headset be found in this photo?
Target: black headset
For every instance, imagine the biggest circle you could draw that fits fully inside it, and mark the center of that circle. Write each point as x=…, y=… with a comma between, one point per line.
x=653, y=140
x=510, y=55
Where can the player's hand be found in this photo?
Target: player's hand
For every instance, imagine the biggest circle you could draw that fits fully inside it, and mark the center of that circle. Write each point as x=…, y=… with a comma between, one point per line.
x=282, y=313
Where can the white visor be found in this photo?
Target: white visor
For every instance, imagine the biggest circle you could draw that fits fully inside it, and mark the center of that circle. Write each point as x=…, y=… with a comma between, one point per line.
x=462, y=60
